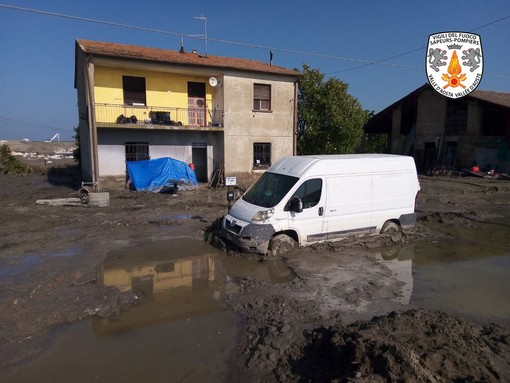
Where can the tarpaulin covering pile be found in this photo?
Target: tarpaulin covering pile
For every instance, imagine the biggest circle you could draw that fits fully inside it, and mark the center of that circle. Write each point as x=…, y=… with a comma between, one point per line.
x=155, y=175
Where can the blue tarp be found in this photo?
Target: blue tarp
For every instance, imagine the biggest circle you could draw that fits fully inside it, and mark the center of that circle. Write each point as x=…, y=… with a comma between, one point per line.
x=154, y=175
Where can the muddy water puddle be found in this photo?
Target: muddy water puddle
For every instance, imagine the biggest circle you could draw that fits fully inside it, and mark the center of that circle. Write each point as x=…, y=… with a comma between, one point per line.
x=177, y=279
x=179, y=331
x=467, y=276
x=11, y=269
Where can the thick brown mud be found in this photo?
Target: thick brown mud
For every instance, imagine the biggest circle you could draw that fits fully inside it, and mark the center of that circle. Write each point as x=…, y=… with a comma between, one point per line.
x=361, y=310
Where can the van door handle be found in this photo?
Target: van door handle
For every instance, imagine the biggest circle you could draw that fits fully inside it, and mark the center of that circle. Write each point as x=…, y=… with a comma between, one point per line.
x=321, y=210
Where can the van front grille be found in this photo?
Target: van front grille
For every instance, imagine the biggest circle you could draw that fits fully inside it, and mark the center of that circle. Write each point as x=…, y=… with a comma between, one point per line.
x=232, y=226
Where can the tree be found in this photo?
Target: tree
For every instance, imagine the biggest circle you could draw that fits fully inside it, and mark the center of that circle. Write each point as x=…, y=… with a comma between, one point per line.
x=330, y=120
x=77, y=150
x=374, y=142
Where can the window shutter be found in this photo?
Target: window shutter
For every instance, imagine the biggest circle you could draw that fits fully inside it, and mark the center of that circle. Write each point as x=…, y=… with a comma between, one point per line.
x=262, y=92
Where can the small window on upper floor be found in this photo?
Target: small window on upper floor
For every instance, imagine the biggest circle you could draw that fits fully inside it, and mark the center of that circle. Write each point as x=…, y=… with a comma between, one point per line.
x=262, y=97
x=134, y=90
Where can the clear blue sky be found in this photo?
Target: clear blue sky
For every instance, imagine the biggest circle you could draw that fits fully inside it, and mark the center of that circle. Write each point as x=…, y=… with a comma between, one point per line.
x=38, y=98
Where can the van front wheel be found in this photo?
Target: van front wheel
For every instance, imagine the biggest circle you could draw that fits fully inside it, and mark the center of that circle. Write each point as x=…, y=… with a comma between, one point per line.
x=390, y=227
x=281, y=244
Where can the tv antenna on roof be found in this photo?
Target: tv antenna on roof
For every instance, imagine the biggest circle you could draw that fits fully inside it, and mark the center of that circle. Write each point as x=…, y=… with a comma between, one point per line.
x=205, y=30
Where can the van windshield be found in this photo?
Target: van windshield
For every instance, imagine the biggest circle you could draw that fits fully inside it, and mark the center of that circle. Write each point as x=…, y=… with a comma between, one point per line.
x=269, y=189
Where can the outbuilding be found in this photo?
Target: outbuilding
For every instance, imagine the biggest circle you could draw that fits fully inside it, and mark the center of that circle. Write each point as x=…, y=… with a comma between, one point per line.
x=444, y=133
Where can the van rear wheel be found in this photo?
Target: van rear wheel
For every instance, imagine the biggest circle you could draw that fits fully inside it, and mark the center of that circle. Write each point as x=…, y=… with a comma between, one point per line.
x=390, y=227
x=281, y=244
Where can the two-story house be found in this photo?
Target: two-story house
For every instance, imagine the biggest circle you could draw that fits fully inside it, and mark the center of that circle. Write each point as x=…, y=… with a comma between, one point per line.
x=138, y=103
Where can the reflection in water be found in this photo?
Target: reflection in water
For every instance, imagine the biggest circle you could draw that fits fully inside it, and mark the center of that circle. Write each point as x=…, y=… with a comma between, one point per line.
x=474, y=289
x=177, y=279
x=400, y=262
x=467, y=276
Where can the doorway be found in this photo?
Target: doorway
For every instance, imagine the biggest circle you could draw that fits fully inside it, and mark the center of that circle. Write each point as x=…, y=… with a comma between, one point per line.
x=196, y=104
x=199, y=159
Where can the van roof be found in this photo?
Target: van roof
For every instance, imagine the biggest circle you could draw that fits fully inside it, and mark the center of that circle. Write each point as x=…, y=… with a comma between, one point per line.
x=297, y=165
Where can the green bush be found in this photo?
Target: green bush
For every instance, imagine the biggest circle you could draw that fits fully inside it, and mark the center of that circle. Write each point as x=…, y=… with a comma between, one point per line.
x=4, y=151
x=10, y=164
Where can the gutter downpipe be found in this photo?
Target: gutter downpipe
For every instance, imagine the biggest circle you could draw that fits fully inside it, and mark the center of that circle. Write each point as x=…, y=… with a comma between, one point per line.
x=89, y=83
x=294, y=122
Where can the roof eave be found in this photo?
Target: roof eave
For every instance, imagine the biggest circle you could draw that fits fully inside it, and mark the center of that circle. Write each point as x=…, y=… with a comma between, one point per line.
x=278, y=72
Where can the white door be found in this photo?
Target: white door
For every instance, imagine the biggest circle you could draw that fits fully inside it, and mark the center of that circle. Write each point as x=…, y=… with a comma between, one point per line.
x=310, y=222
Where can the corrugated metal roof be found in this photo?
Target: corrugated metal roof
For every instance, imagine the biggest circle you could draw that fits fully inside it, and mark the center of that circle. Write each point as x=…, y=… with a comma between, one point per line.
x=177, y=57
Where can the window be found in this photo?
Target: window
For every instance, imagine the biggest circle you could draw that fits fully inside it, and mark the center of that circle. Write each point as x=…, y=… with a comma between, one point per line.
x=310, y=192
x=269, y=189
x=262, y=154
x=137, y=151
x=261, y=97
x=456, y=117
x=134, y=90
x=494, y=120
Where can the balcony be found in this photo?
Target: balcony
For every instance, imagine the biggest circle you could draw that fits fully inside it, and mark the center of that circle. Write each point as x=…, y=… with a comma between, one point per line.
x=156, y=117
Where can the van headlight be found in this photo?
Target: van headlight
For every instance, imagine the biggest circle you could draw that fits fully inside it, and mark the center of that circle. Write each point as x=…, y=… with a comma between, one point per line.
x=263, y=215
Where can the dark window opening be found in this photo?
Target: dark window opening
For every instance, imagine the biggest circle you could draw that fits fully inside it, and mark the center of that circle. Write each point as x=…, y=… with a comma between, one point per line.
x=196, y=89
x=137, y=151
x=261, y=97
x=456, y=117
x=409, y=113
x=134, y=90
x=494, y=121
x=262, y=154
x=429, y=156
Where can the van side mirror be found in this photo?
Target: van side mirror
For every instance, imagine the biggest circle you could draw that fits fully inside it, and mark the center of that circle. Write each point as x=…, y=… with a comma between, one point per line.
x=296, y=205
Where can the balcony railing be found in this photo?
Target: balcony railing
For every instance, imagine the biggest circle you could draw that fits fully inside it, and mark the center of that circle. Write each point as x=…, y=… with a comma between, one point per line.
x=122, y=115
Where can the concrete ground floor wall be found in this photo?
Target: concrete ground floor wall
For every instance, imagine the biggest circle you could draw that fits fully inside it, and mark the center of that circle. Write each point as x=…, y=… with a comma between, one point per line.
x=203, y=149
x=239, y=151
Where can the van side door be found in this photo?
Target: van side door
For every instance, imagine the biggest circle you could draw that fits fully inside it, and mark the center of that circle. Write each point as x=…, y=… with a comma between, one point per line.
x=349, y=205
x=309, y=223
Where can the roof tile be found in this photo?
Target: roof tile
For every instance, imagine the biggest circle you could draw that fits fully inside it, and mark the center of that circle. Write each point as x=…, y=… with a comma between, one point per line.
x=177, y=57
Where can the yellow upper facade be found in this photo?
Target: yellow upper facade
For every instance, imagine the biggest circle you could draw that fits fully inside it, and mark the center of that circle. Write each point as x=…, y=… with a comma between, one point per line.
x=164, y=92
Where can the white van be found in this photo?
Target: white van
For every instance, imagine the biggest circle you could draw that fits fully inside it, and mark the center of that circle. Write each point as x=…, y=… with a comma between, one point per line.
x=302, y=200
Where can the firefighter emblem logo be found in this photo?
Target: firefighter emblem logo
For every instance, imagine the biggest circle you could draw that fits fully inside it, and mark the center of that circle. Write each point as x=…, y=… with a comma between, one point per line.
x=454, y=63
